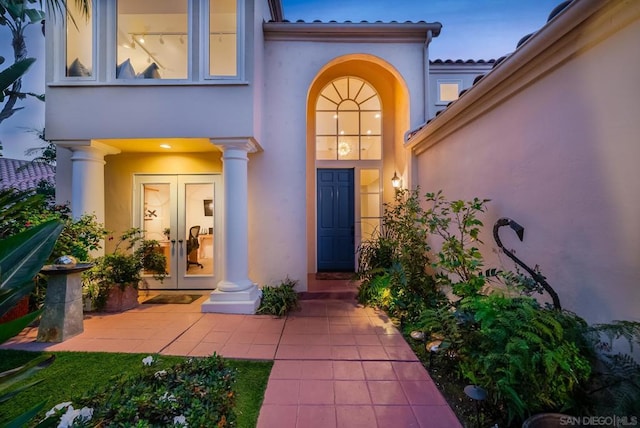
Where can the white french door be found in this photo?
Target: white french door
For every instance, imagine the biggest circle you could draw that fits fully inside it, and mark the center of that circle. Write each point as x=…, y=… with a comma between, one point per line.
x=184, y=214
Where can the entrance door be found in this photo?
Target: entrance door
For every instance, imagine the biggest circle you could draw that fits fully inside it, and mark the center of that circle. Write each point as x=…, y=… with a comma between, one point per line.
x=183, y=213
x=336, y=249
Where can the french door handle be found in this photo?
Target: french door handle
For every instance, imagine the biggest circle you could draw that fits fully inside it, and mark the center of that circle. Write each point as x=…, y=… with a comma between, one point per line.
x=180, y=241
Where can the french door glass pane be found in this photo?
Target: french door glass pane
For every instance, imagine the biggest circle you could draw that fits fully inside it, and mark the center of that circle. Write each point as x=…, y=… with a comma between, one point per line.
x=200, y=228
x=157, y=217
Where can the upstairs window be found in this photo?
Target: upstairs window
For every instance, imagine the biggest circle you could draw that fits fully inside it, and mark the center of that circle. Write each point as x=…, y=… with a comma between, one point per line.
x=79, y=47
x=448, y=90
x=152, y=39
x=348, y=121
x=223, y=38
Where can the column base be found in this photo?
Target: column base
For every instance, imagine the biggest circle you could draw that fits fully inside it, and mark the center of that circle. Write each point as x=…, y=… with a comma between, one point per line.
x=233, y=302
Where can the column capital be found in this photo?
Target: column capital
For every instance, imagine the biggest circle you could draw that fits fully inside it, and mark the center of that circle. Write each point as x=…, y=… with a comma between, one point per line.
x=88, y=150
x=247, y=144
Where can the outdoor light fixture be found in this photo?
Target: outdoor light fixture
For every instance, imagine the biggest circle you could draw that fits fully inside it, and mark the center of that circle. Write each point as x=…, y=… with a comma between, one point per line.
x=395, y=181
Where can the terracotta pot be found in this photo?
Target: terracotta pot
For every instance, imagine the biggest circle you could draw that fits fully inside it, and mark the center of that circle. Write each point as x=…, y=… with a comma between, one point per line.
x=546, y=420
x=121, y=299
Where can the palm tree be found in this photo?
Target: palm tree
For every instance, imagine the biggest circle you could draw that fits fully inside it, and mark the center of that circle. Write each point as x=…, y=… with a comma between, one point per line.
x=17, y=15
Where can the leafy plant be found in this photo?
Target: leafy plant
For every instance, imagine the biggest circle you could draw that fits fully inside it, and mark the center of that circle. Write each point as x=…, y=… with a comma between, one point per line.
x=195, y=392
x=459, y=262
x=125, y=267
x=399, y=254
x=21, y=258
x=279, y=300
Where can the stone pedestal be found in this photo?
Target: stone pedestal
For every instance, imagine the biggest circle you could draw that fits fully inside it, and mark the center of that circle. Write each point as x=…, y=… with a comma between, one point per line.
x=62, y=315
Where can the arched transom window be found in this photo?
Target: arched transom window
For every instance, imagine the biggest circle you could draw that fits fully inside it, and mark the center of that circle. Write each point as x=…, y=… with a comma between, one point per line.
x=348, y=121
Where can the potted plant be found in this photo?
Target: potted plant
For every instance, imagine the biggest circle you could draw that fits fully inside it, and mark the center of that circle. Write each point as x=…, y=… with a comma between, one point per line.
x=115, y=277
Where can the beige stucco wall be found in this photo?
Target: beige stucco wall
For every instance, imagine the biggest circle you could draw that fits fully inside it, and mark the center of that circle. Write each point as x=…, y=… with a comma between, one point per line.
x=560, y=156
x=281, y=178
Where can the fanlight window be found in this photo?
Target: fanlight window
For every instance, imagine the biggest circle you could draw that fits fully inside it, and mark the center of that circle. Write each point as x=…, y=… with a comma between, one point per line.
x=348, y=121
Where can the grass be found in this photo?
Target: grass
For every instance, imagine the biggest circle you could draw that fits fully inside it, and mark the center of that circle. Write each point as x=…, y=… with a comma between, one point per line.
x=75, y=373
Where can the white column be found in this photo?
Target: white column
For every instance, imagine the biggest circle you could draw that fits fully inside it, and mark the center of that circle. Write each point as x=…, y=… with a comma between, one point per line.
x=235, y=293
x=87, y=179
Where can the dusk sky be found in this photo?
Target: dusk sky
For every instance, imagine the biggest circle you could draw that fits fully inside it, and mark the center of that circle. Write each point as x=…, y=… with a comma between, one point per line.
x=472, y=29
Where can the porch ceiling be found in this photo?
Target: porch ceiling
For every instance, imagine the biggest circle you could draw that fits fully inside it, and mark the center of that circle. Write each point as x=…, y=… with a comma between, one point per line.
x=153, y=145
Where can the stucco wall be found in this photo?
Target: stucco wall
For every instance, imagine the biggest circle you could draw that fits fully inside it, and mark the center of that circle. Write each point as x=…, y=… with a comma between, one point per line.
x=561, y=158
x=278, y=177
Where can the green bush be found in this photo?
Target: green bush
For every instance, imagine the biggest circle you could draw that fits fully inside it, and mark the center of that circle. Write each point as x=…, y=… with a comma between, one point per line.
x=196, y=392
x=279, y=300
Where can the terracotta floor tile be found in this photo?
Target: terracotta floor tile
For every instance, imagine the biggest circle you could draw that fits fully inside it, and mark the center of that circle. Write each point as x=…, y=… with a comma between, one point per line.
x=341, y=329
x=356, y=417
x=320, y=352
x=436, y=417
x=286, y=369
x=117, y=345
x=235, y=350
x=351, y=392
x=152, y=346
x=277, y=416
x=339, y=320
x=372, y=353
x=314, y=391
x=392, y=339
x=410, y=370
x=266, y=339
x=261, y=352
x=316, y=370
x=217, y=337
x=386, y=392
x=367, y=339
x=290, y=352
x=400, y=353
x=316, y=417
x=179, y=348
x=421, y=392
x=345, y=353
x=242, y=337
x=348, y=370
x=343, y=339
x=280, y=391
x=395, y=416
x=378, y=370
x=204, y=349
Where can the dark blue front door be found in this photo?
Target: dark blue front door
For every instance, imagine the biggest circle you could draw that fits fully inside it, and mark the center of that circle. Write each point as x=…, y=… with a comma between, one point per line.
x=336, y=252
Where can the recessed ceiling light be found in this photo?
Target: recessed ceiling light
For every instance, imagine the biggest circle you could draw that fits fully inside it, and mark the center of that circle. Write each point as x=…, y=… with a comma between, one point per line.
x=165, y=146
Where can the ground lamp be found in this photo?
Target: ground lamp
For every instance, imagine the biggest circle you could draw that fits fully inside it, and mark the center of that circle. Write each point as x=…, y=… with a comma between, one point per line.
x=477, y=394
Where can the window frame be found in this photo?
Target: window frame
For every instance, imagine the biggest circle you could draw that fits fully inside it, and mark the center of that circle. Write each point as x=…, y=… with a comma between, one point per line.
x=62, y=56
x=205, y=52
x=439, y=82
x=104, y=50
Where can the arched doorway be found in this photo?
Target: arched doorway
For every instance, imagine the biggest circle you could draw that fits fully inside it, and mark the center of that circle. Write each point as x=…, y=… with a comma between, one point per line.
x=357, y=113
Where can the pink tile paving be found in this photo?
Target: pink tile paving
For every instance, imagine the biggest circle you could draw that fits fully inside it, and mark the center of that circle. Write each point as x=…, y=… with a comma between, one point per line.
x=336, y=364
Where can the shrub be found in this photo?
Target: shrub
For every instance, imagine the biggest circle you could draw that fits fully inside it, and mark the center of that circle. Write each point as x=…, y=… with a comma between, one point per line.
x=196, y=392
x=279, y=300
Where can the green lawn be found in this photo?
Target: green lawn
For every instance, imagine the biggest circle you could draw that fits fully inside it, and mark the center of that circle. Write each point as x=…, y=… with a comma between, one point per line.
x=75, y=373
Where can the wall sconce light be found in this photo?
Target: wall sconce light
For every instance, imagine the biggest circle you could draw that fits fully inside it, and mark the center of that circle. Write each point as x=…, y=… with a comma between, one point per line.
x=395, y=181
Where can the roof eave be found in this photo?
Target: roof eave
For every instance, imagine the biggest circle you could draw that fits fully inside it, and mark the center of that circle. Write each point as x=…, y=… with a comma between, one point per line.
x=355, y=32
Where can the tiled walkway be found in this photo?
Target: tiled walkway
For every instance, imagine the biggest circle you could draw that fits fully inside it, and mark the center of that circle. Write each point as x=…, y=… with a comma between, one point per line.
x=336, y=364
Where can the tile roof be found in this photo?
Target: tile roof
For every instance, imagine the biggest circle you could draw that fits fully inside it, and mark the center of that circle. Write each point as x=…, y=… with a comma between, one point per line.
x=556, y=10
x=24, y=175
x=462, y=61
